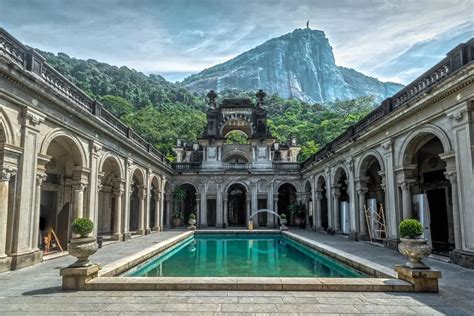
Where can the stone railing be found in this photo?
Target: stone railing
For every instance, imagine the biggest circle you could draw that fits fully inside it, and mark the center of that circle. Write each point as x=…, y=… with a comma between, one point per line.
x=182, y=166
x=457, y=58
x=236, y=166
x=287, y=166
x=29, y=60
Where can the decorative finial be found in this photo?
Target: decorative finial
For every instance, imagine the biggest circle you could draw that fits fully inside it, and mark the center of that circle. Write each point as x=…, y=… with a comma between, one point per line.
x=307, y=24
x=260, y=96
x=212, y=99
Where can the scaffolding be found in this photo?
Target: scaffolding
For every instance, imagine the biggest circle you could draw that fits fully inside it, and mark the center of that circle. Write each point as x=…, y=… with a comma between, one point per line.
x=376, y=226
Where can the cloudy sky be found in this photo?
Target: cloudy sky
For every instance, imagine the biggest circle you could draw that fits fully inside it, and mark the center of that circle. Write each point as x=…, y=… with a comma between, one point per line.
x=392, y=40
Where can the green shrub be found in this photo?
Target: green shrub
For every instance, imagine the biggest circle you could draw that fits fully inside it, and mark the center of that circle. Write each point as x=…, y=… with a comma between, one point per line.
x=82, y=226
x=410, y=228
x=192, y=216
x=282, y=216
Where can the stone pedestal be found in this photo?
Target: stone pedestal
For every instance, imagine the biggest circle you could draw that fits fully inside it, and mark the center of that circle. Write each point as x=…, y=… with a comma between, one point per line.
x=76, y=278
x=464, y=259
x=363, y=237
x=117, y=236
x=391, y=243
x=353, y=236
x=25, y=259
x=126, y=236
x=5, y=263
x=423, y=280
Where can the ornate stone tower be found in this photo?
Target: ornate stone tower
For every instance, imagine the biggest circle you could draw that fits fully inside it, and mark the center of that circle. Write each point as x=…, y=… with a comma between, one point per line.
x=237, y=119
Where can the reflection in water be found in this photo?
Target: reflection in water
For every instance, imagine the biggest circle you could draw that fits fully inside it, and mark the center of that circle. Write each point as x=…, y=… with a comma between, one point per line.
x=243, y=255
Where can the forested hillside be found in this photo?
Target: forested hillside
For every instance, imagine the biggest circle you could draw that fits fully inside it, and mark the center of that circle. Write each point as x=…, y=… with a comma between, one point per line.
x=163, y=111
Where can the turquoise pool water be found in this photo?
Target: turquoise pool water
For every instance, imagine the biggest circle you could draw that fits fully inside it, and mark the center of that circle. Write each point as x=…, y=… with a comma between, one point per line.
x=242, y=255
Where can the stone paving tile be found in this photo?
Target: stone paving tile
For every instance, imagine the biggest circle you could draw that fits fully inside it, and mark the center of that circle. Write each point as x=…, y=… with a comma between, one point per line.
x=37, y=288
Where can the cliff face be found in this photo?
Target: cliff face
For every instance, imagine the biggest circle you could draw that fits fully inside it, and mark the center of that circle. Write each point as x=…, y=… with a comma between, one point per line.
x=299, y=64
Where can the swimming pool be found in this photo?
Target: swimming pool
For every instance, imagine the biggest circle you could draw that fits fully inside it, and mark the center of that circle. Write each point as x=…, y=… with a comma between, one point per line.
x=242, y=255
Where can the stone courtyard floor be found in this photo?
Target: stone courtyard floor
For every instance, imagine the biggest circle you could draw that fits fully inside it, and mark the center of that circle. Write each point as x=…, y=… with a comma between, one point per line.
x=36, y=290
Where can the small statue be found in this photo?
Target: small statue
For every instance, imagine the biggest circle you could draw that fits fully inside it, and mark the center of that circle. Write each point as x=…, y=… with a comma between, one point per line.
x=260, y=96
x=212, y=99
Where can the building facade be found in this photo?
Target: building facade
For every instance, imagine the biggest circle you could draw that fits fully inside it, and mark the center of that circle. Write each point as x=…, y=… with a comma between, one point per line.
x=63, y=156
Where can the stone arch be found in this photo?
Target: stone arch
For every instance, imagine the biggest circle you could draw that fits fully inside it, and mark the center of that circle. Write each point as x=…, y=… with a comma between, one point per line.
x=414, y=141
x=137, y=200
x=277, y=188
x=365, y=159
x=186, y=182
x=116, y=159
x=111, y=189
x=139, y=173
x=322, y=221
x=229, y=184
x=236, y=153
x=238, y=206
x=339, y=170
x=70, y=142
x=246, y=128
x=6, y=130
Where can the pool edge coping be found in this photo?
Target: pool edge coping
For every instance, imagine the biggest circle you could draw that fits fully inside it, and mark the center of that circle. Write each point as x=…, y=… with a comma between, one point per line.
x=381, y=281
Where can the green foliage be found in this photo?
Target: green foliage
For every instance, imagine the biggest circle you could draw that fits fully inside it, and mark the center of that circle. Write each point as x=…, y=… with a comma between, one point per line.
x=117, y=105
x=179, y=194
x=410, y=228
x=177, y=214
x=297, y=209
x=236, y=137
x=82, y=227
x=163, y=112
x=283, y=216
x=192, y=216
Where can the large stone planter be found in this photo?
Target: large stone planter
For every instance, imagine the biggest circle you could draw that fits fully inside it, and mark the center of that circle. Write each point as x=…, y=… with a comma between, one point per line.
x=82, y=249
x=176, y=222
x=415, y=249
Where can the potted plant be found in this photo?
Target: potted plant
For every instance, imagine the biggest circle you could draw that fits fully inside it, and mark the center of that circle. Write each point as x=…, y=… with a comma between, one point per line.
x=283, y=222
x=192, y=221
x=179, y=195
x=298, y=210
x=84, y=246
x=177, y=217
x=411, y=245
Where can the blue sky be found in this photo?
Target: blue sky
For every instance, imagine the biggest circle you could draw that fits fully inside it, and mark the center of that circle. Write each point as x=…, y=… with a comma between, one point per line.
x=390, y=40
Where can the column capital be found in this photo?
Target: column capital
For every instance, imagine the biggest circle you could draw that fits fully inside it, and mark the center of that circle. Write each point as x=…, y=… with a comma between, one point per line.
x=319, y=194
x=362, y=191
x=406, y=184
x=79, y=185
x=336, y=191
x=40, y=177
x=451, y=175
x=6, y=174
x=142, y=192
x=118, y=192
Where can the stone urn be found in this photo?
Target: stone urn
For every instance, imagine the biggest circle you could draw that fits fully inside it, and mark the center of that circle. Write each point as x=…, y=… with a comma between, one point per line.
x=192, y=223
x=283, y=223
x=298, y=221
x=82, y=248
x=415, y=249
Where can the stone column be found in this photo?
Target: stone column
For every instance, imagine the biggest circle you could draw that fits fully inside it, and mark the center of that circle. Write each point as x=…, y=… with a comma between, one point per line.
x=198, y=211
x=157, y=197
x=248, y=210
x=141, y=210
x=362, y=194
x=40, y=177
x=406, y=199
x=169, y=200
x=219, y=215
x=203, y=213
x=92, y=208
x=79, y=188
x=23, y=253
x=128, y=193
x=118, y=191
x=319, y=213
x=275, y=203
x=5, y=176
x=270, y=216
x=162, y=203
x=226, y=212
x=336, y=193
x=254, y=198
x=147, y=202
x=313, y=199
x=451, y=175
x=308, y=209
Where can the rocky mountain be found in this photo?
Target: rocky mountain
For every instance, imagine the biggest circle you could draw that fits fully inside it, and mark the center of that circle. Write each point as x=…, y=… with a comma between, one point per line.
x=298, y=65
